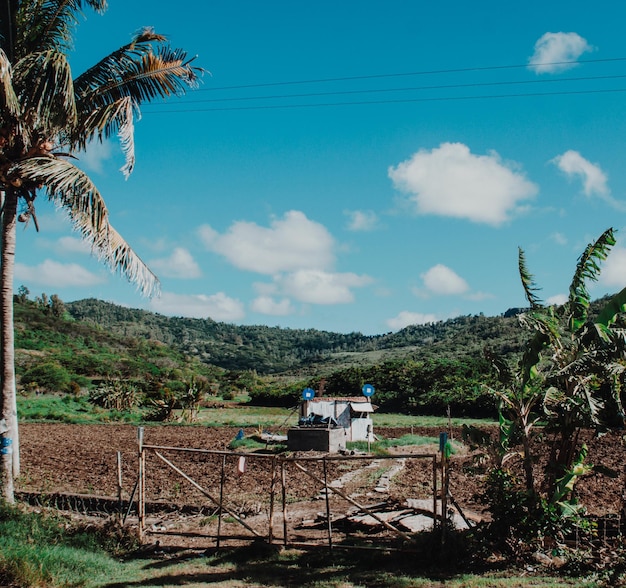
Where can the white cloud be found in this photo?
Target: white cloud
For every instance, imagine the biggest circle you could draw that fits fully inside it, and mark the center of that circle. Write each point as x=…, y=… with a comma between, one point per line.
x=218, y=307
x=320, y=287
x=451, y=181
x=268, y=305
x=58, y=275
x=158, y=245
x=265, y=289
x=554, y=52
x=478, y=296
x=440, y=279
x=208, y=235
x=95, y=155
x=406, y=318
x=72, y=245
x=361, y=220
x=559, y=238
x=613, y=272
x=56, y=221
x=180, y=264
x=291, y=243
x=573, y=164
x=557, y=300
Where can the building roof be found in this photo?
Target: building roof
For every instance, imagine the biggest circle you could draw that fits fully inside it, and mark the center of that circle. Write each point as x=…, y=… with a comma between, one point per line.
x=355, y=399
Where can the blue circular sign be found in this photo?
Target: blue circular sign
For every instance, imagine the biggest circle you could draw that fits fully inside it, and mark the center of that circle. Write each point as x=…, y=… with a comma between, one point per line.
x=368, y=390
x=308, y=393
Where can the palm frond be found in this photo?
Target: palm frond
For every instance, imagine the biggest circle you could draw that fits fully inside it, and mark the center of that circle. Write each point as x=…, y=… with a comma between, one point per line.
x=153, y=75
x=48, y=24
x=9, y=103
x=137, y=70
x=109, y=94
x=118, y=254
x=587, y=268
x=127, y=136
x=527, y=281
x=68, y=187
x=112, y=66
x=116, y=117
x=71, y=189
x=43, y=82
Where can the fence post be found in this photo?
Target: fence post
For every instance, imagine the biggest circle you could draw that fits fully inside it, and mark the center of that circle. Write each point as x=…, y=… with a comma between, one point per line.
x=219, y=510
x=141, y=480
x=328, y=521
x=435, y=467
x=120, y=505
x=270, y=532
x=443, y=448
x=283, y=478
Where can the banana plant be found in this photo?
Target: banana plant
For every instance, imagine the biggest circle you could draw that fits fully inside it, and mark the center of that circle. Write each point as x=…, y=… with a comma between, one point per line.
x=521, y=392
x=587, y=362
x=572, y=368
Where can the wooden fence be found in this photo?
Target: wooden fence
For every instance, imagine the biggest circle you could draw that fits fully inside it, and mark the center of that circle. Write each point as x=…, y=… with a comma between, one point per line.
x=289, y=490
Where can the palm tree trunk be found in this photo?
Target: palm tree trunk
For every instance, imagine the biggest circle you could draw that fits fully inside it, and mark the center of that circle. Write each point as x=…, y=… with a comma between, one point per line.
x=10, y=449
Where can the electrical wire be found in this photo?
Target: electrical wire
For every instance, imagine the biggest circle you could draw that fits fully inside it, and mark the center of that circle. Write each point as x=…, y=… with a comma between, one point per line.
x=148, y=109
x=394, y=101
x=405, y=89
x=414, y=73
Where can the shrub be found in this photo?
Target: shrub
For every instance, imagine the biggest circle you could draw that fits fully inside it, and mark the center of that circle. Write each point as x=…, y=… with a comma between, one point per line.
x=116, y=394
x=49, y=376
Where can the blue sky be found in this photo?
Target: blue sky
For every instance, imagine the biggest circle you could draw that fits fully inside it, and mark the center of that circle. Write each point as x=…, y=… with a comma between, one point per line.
x=358, y=165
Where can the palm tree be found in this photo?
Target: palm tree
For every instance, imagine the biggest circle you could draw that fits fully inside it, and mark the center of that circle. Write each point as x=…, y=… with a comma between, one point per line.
x=46, y=118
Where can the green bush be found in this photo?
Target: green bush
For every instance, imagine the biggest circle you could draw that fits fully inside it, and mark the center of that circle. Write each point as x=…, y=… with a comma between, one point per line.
x=272, y=394
x=49, y=376
x=521, y=516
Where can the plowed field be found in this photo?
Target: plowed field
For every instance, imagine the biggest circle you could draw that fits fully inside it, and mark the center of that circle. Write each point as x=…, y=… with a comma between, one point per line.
x=82, y=459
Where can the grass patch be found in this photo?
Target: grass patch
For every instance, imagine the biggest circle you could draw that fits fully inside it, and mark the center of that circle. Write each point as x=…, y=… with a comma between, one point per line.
x=261, y=417
x=389, y=419
x=381, y=446
x=70, y=409
x=262, y=565
x=78, y=410
x=43, y=550
x=246, y=444
x=254, y=443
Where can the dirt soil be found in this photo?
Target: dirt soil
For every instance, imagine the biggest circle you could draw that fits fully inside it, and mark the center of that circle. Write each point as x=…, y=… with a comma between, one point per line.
x=82, y=459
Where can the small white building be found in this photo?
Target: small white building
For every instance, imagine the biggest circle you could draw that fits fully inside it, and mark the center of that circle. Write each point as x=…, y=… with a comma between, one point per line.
x=328, y=423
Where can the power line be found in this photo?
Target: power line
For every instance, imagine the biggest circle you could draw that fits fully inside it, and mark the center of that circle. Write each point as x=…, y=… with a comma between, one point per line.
x=414, y=73
x=405, y=89
x=394, y=101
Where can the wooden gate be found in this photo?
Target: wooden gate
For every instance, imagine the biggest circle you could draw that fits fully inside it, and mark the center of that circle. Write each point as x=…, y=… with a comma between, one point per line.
x=296, y=500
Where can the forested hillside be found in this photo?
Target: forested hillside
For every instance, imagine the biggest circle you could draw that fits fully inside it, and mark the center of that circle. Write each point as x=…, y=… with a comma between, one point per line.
x=121, y=357
x=273, y=350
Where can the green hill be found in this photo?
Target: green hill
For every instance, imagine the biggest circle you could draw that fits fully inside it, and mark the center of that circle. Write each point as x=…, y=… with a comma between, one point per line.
x=274, y=350
x=125, y=357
